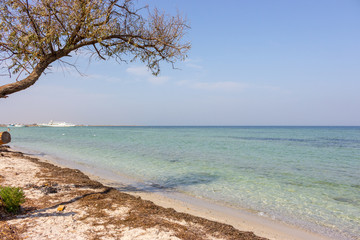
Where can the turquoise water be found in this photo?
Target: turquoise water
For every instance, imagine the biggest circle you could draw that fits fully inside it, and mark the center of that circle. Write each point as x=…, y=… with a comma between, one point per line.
x=307, y=176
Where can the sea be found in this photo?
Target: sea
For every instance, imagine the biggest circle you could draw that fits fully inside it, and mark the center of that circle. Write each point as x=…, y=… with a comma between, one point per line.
x=305, y=176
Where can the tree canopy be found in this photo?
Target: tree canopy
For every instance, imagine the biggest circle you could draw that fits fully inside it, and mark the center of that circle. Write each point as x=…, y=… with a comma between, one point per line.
x=36, y=33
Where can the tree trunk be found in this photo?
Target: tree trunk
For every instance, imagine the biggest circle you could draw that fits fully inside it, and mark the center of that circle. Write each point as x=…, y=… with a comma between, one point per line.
x=26, y=82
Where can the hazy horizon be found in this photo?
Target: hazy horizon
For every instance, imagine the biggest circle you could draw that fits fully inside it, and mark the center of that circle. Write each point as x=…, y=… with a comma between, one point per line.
x=215, y=126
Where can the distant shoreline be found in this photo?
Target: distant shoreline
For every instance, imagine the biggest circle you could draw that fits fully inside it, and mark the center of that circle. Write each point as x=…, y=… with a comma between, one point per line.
x=210, y=126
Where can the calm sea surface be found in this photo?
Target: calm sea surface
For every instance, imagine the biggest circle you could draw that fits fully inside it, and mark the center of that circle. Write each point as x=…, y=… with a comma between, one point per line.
x=307, y=176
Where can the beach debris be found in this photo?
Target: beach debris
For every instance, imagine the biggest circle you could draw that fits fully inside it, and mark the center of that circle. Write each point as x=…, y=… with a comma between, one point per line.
x=60, y=208
x=5, y=137
x=8, y=231
x=47, y=188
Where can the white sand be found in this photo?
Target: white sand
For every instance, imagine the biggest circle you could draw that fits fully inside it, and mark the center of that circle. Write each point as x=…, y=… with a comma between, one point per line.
x=52, y=224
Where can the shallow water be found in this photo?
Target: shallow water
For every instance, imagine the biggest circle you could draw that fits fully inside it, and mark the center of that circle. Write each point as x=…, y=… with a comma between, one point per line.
x=307, y=176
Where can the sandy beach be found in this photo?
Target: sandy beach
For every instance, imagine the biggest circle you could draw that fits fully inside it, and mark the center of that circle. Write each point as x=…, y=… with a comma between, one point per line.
x=94, y=209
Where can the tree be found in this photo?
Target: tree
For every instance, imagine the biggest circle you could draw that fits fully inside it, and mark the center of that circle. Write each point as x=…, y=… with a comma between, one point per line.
x=37, y=33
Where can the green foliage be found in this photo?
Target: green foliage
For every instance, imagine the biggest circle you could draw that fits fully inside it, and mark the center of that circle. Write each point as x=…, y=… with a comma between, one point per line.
x=11, y=198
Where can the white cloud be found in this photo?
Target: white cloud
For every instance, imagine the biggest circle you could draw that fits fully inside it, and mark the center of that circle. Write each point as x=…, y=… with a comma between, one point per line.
x=230, y=86
x=144, y=73
x=158, y=80
x=214, y=86
x=103, y=78
x=193, y=63
x=183, y=83
x=138, y=71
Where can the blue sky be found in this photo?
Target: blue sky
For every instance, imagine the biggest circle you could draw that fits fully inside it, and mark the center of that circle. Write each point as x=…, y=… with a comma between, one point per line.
x=251, y=63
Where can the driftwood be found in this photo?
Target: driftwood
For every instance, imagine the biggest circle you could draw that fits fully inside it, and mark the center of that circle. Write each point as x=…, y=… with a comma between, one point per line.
x=5, y=137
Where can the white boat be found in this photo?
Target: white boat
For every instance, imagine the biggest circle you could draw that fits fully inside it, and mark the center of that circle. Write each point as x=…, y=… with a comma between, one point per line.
x=16, y=125
x=56, y=124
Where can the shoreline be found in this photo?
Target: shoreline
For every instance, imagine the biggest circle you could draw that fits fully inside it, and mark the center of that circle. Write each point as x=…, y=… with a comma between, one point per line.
x=91, y=210
x=241, y=220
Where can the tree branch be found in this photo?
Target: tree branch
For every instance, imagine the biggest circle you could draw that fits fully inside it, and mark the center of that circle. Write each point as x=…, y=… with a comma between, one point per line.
x=99, y=53
x=33, y=23
x=10, y=88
